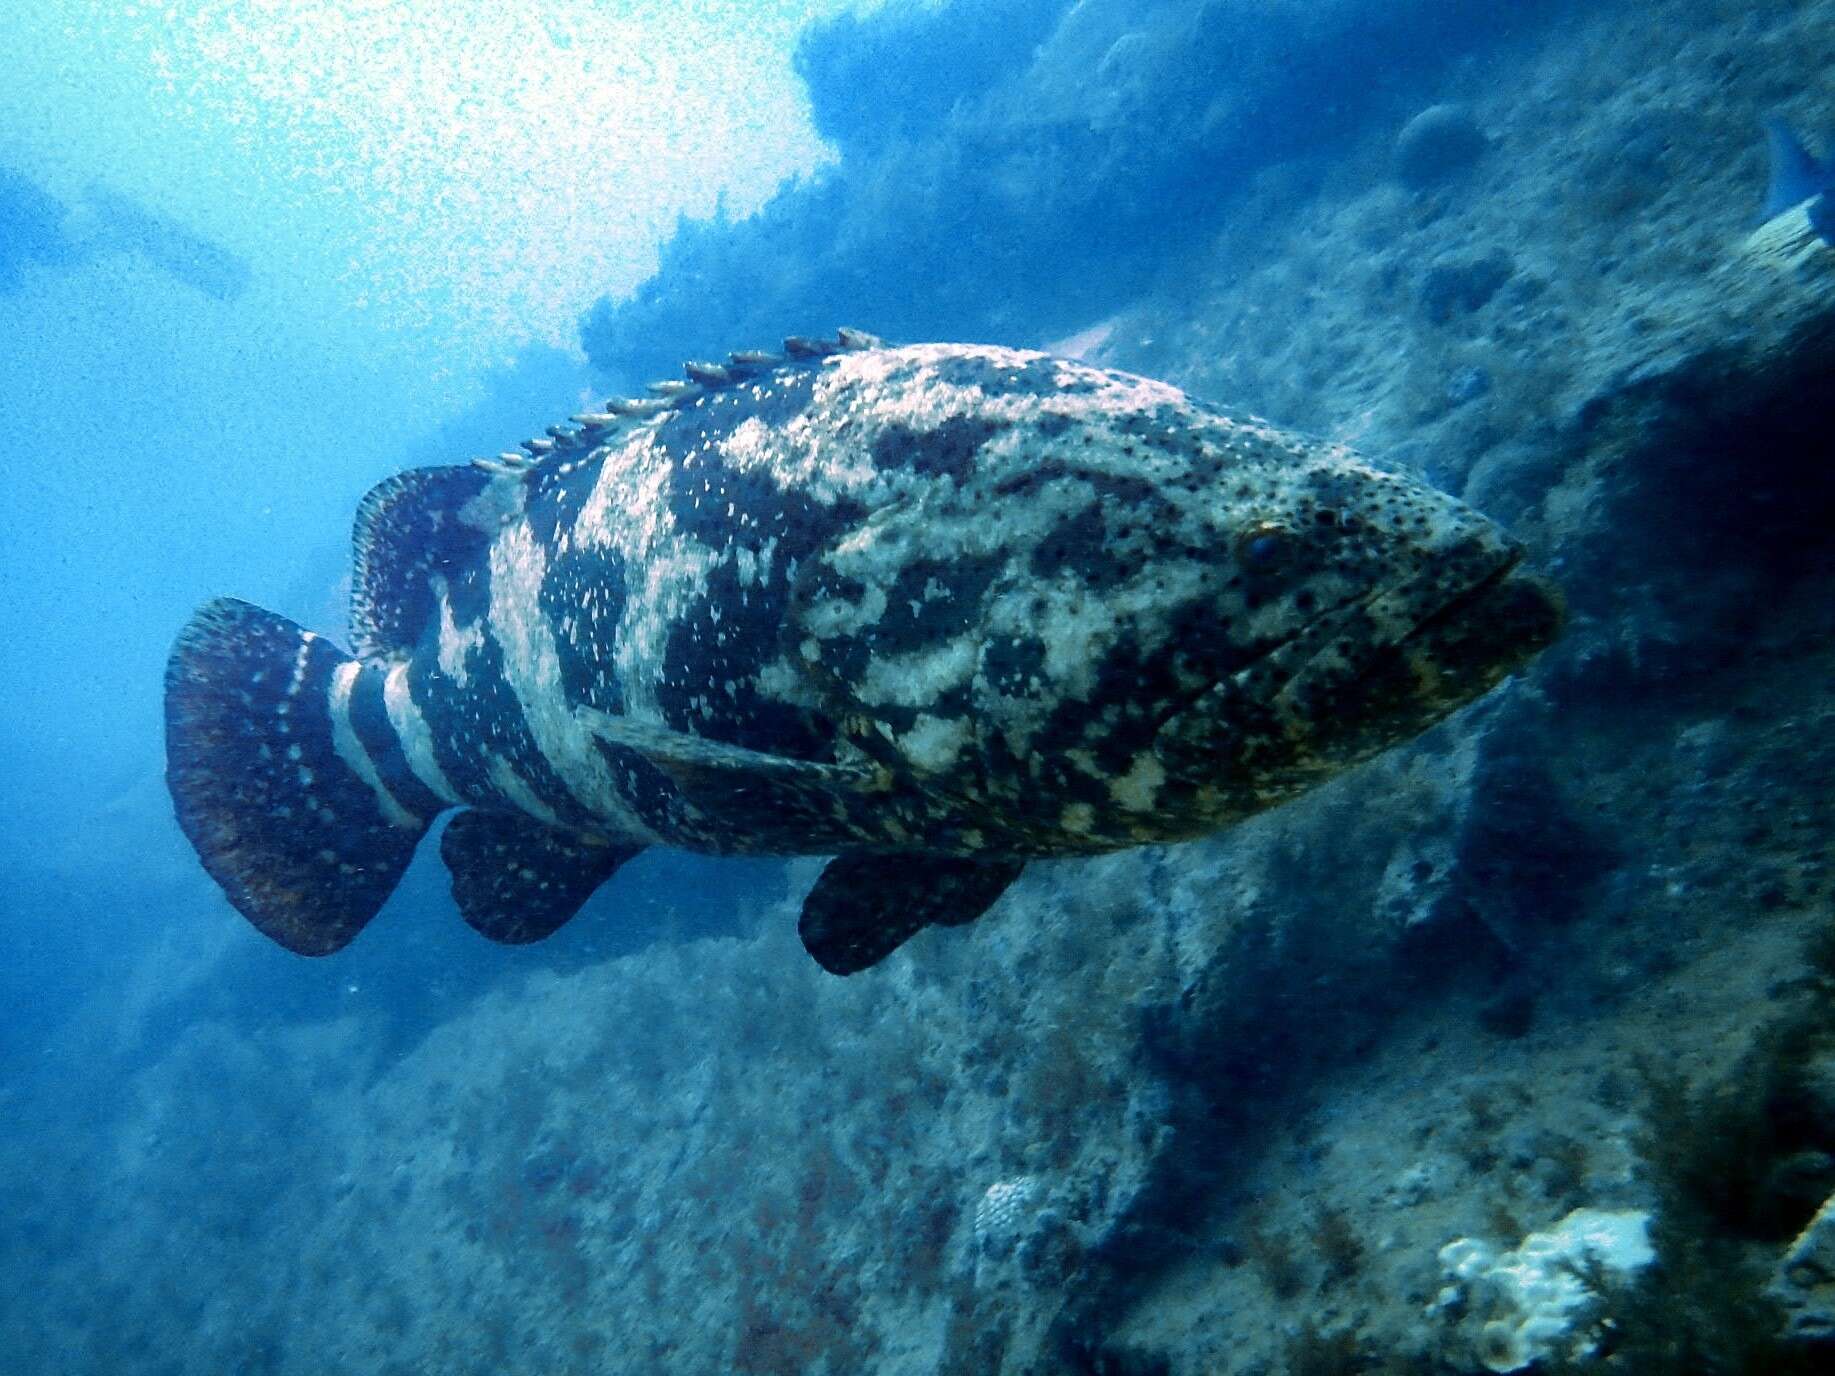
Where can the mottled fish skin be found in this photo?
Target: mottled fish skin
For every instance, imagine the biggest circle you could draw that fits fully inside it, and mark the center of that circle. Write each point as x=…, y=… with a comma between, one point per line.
x=959, y=600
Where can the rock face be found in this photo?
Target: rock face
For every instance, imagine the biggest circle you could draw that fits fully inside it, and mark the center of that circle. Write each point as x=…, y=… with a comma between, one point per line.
x=1805, y=1281
x=1437, y=144
x=1203, y=1109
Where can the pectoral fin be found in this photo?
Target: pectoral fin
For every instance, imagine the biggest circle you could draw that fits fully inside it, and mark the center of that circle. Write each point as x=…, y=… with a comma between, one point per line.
x=864, y=907
x=695, y=763
x=517, y=881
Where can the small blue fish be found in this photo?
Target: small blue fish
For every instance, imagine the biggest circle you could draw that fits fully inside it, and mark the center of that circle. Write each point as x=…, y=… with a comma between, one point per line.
x=1798, y=179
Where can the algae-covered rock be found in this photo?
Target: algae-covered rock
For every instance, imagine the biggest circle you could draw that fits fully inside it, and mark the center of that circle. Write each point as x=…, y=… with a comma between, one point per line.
x=1437, y=144
x=1805, y=1281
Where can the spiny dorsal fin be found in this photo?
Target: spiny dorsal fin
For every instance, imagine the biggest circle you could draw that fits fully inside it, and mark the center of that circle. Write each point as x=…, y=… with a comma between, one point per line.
x=699, y=377
x=410, y=528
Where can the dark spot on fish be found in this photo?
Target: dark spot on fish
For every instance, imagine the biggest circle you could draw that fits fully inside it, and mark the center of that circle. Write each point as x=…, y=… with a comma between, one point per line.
x=1127, y=491
x=1075, y=543
x=369, y=719
x=1035, y=377
x=1014, y=666
x=582, y=598
x=931, y=601
x=720, y=506
x=1020, y=484
x=775, y=401
x=482, y=720
x=469, y=596
x=1336, y=491
x=1041, y=474
x=844, y=658
x=716, y=646
x=553, y=504
x=947, y=451
x=778, y=812
x=643, y=787
x=1137, y=685
x=819, y=583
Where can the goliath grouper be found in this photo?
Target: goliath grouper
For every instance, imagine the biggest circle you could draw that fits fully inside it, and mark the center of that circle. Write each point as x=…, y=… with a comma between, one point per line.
x=935, y=611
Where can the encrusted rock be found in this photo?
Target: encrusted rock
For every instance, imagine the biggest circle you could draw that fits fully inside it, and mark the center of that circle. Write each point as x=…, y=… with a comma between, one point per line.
x=1437, y=143
x=1805, y=1282
x=1521, y=1306
x=1455, y=287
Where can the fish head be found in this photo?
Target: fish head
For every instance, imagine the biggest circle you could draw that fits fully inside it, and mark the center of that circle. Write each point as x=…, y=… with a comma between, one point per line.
x=1349, y=610
x=1217, y=616
x=1135, y=617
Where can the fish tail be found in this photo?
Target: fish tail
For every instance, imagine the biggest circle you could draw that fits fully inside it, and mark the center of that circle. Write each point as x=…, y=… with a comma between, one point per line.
x=283, y=802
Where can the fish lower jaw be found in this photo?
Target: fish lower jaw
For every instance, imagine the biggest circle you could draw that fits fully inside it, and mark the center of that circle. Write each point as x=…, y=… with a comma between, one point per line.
x=1357, y=680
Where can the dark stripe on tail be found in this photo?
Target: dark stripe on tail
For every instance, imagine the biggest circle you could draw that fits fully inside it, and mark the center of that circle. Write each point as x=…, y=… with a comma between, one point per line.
x=369, y=719
x=298, y=840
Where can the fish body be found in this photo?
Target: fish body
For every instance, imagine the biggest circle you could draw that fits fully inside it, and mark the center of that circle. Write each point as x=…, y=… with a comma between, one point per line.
x=936, y=610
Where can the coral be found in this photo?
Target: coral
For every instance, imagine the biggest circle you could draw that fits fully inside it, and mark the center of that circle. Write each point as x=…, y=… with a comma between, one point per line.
x=1312, y=1353
x=1003, y=1213
x=1274, y=1256
x=1750, y=1155
x=1338, y=1243
x=1536, y=1301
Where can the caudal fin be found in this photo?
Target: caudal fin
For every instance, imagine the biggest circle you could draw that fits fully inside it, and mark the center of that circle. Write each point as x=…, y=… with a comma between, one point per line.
x=271, y=785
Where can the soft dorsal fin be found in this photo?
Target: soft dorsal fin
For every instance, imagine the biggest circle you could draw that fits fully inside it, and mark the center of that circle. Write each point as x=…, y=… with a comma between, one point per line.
x=410, y=528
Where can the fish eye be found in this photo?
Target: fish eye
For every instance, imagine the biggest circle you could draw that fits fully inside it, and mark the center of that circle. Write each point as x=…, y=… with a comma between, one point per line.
x=1263, y=548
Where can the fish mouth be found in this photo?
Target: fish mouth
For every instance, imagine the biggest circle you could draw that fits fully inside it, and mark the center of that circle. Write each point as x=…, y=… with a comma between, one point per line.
x=1409, y=654
x=1367, y=674
x=1513, y=611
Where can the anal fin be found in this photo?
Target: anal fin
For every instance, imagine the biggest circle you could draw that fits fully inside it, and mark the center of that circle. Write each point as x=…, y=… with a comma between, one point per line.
x=517, y=881
x=864, y=907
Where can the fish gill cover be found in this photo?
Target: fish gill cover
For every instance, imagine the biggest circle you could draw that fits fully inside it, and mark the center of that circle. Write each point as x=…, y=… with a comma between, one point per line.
x=1012, y=169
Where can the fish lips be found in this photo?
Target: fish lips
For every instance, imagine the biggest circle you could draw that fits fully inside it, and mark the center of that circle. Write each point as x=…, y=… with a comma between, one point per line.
x=1431, y=642
x=1362, y=677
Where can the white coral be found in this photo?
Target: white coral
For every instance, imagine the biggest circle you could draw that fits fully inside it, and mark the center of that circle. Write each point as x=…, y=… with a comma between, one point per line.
x=1533, y=1298
x=1001, y=1211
